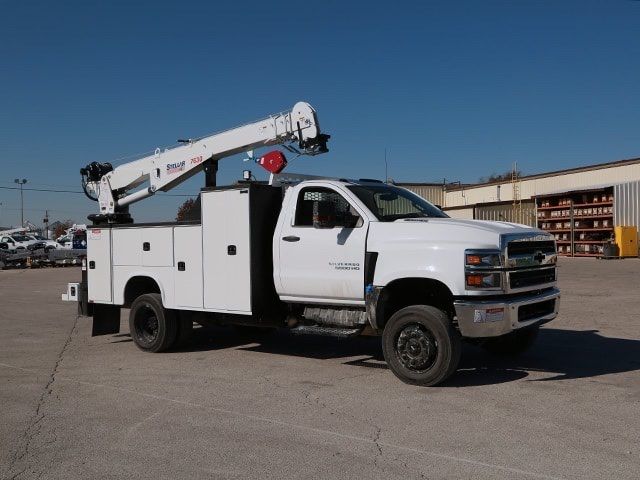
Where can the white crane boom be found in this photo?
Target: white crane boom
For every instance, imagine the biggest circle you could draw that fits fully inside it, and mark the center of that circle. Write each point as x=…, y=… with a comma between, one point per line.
x=165, y=169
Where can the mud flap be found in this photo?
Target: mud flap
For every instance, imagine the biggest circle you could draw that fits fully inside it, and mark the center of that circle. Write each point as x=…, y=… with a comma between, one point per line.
x=85, y=308
x=106, y=319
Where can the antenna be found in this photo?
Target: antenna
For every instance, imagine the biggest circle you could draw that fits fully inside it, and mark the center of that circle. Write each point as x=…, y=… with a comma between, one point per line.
x=386, y=167
x=517, y=197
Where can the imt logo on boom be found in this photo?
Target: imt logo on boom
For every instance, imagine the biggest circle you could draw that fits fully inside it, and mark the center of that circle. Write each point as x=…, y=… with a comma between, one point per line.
x=175, y=167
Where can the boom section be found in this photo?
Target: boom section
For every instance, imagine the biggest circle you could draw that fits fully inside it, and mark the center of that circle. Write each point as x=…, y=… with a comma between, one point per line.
x=166, y=169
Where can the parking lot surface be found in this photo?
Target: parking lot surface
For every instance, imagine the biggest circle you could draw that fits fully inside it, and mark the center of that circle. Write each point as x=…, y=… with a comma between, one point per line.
x=73, y=407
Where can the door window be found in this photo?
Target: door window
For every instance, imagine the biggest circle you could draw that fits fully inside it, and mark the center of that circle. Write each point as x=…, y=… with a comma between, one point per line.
x=346, y=215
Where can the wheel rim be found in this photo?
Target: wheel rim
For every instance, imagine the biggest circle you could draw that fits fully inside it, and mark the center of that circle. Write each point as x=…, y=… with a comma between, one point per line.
x=416, y=348
x=146, y=324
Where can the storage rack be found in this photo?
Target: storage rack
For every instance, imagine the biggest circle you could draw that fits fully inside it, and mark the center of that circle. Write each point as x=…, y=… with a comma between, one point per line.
x=581, y=220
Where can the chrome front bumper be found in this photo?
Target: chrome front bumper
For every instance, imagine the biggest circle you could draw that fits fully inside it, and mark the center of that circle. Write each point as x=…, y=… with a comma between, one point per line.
x=492, y=318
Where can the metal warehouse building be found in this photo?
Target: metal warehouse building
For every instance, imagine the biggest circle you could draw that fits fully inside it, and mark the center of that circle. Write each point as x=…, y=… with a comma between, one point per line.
x=519, y=200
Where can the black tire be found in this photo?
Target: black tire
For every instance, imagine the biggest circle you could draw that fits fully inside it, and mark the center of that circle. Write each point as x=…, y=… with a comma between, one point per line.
x=512, y=344
x=153, y=328
x=420, y=345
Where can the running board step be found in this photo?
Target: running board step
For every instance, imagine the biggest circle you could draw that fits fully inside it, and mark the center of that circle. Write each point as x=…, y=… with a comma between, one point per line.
x=326, y=331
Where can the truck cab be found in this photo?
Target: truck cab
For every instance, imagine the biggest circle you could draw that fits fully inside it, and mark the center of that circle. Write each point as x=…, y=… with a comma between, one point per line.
x=369, y=235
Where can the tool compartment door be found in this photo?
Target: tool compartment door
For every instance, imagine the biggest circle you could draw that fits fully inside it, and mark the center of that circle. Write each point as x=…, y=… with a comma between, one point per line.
x=238, y=259
x=188, y=266
x=226, y=252
x=157, y=247
x=99, y=265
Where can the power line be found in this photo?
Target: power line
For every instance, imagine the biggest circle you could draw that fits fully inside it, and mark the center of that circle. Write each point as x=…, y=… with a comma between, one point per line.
x=37, y=184
x=41, y=190
x=77, y=192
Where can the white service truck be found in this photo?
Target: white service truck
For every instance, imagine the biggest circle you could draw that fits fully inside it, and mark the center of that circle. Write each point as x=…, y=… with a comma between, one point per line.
x=316, y=255
x=16, y=240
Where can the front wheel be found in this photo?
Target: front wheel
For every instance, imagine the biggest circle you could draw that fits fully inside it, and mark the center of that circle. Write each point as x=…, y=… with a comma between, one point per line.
x=421, y=346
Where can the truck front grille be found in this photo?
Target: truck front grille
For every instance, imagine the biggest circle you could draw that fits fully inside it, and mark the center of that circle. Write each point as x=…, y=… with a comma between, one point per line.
x=531, y=278
x=531, y=247
x=536, y=310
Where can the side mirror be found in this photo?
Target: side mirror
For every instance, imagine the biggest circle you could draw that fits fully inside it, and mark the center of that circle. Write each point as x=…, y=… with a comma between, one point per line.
x=324, y=214
x=439, y=207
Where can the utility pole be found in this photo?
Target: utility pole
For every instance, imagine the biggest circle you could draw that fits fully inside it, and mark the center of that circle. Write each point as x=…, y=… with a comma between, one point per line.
x=46, y=224
x=21, y=183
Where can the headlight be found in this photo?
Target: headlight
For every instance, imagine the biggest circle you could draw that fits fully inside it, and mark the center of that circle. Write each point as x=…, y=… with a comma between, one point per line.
x=482, y=269
x=484, y=280
x=479, y=259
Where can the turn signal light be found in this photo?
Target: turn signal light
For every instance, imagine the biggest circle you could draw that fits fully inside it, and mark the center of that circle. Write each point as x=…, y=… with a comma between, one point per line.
x=484, y=280
x=474, y=280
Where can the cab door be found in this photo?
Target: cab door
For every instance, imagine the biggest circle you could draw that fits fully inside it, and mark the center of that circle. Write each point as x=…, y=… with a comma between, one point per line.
x=322, y=264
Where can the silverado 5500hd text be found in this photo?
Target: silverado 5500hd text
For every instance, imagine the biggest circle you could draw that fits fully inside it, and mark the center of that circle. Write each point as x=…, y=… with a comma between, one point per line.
x=324, y=256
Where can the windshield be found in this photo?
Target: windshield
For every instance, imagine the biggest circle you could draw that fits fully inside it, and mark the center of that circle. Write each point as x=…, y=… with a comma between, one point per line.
x=21, y=238
x=38, y=237
x=389, y=203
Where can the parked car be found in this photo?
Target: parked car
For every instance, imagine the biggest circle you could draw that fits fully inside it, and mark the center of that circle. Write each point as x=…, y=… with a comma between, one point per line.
x=50, y=244
x=16, y=241
x=42, y=245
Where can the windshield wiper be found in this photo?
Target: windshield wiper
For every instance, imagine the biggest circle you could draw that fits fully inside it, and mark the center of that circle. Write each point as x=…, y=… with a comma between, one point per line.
x=411, y=215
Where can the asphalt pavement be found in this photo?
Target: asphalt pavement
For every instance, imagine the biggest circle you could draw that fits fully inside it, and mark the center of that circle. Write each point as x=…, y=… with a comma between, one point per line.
x=77, y=407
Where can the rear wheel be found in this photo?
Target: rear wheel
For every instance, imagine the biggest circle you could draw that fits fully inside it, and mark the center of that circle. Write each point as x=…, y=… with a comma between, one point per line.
x=420, y=345
x=153, y=328
x=512, y=344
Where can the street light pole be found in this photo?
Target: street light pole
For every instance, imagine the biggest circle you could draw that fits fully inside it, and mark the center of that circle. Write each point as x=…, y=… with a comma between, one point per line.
x=21, y=183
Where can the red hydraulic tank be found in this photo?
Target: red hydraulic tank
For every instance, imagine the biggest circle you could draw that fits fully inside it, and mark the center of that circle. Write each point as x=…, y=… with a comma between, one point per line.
x=273, y=162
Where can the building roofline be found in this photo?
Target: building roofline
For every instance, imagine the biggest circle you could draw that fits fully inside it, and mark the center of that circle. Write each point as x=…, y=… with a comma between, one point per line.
x=587, y=168
x=419, y=184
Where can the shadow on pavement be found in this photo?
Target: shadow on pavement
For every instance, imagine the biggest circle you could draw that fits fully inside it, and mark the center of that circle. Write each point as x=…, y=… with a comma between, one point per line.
x=566, y=354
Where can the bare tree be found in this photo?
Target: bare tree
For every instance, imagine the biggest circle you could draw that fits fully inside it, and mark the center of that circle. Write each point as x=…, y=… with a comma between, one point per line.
x=189, y=210
x=500, y=177
x=61, y=227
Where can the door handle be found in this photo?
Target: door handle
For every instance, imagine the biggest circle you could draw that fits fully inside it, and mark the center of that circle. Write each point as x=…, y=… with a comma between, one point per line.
x=291, y=238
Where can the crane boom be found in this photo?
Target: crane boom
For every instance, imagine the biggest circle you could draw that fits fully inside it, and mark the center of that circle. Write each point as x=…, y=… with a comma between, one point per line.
x=166, y=169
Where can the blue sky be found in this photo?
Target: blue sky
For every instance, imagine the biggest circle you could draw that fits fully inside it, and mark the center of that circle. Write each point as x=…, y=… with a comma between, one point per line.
x=453, y=89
